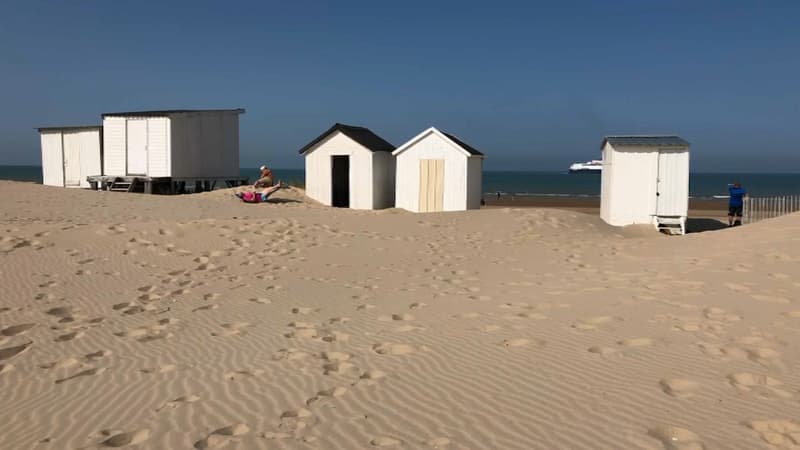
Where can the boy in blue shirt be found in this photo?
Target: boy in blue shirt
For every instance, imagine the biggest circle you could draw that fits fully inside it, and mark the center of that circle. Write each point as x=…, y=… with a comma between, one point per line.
x=736, y=204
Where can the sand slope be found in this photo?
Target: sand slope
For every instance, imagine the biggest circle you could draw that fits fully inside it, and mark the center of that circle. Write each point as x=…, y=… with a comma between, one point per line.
x=200, y=322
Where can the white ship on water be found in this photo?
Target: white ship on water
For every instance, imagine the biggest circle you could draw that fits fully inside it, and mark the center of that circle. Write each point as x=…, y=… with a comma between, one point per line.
x=594, y=166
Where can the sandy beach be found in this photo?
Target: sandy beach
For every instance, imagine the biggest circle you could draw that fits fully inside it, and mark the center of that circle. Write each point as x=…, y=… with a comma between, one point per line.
x=198, y=321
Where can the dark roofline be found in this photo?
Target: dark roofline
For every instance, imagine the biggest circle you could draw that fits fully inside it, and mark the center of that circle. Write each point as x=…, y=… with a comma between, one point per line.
x=644, y=140
x=362, y=135
x=472, y=150
x=169, y=112
x=70, y=127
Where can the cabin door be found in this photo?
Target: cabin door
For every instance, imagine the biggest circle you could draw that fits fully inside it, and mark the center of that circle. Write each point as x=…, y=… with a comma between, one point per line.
x=137, y=146
x=340, y=181
x=672, y=184
x=431, y=185
x=72, y=159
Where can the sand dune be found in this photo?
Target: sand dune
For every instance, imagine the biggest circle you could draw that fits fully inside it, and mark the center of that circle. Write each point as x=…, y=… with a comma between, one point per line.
x=198, y=321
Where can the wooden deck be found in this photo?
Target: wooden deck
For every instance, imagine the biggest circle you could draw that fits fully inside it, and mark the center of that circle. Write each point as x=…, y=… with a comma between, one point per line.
x=160, y=185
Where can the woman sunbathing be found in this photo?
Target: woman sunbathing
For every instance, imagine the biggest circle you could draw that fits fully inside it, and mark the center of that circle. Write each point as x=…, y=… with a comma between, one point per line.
x=259, y=197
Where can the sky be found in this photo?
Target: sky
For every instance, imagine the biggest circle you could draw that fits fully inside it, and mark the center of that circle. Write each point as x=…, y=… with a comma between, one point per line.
x=534, y=85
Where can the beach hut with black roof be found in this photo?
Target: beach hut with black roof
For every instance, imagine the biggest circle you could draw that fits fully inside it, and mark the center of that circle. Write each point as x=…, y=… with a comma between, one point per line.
x=350, y=167
x=436, y=171
x=70, y=154
x=169, y=147
x=645, y=180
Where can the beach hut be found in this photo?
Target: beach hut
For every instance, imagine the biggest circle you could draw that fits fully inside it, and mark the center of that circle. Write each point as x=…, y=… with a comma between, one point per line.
x=350, y=167
x=437, y=171
x=70, y=154
x=645, y=179
x=158, y=147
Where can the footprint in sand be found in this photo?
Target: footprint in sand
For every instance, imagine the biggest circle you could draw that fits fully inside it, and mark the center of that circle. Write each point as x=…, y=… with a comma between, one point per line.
x=166, y=368
x=762, y=385
x=10, y=352
x=396, y=317
x=676, y=438
x=333, y=392
x=337, y=367
x=438, y=442
x=14, y=330
x=385, y=441
x=84, y=373
x=261, y=300
x=127, y=438
x=679, y=387
x=304, y=310
x=206, y=308
x=232, y=329
x=222, y=436
x=239, y=374
x=783, y=433
x=636, y=342
x=183, y=399
x=60, y=364
x=392, y=349
x=290, y=354
x=601, y=350
x=69, y=336
x=594, y=323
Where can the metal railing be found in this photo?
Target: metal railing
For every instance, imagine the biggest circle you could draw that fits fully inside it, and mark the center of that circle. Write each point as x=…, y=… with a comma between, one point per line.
x=760, y=208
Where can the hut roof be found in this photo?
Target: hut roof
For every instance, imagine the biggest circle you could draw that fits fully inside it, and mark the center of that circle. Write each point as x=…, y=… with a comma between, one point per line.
x=659, y=141
x=363, y=136
x=71, y=128
x=169, y=112
x=465, y=148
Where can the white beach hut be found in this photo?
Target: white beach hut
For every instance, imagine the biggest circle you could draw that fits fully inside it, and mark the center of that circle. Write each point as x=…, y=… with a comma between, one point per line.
x=70, y=154
x=350, y=167
x=645, y=179
x=437, y=171
x=172, y=145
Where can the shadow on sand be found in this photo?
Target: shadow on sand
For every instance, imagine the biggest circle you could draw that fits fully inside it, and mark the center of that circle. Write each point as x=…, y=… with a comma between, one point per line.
x=700, y=225
x=282, y=200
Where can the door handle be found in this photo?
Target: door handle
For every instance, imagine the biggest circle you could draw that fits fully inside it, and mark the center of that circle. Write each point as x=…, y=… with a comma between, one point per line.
x=658, y=193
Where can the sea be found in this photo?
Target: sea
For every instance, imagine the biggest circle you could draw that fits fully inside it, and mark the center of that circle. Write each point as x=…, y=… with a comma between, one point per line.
x=541, y=183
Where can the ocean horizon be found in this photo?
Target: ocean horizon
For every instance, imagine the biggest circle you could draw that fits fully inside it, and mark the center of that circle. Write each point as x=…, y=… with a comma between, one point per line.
x=539, y=183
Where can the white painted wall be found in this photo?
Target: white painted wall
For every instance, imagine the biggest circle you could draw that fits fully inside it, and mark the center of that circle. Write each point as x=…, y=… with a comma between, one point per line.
x=474, y=182
x=70, y=153
x=91, y=155
x=318, y=170
x=114, y=144
x=52, y=159
x=432, y=146
x=630, y=180
x=184, y=145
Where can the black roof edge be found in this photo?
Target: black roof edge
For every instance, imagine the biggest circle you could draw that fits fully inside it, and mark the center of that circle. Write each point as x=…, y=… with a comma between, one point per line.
x=372, y=142
x=168, y=112
x=69, y=127
x=470, y=149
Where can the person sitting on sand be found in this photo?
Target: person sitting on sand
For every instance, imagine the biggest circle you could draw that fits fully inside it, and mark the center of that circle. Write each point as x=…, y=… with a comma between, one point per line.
x=265, y=179
x=259, y=197
x=736, y=204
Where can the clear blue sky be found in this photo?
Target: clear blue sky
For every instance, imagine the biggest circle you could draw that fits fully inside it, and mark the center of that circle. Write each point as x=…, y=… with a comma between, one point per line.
x=533, y=85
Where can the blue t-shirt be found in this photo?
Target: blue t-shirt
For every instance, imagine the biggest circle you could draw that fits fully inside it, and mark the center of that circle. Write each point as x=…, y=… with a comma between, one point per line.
x=736, y=195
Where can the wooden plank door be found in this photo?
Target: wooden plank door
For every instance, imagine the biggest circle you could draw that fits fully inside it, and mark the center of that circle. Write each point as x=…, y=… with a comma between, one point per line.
x=431, y=185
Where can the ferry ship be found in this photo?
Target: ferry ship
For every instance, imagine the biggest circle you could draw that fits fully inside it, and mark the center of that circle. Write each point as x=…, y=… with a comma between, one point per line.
x=594, y=166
